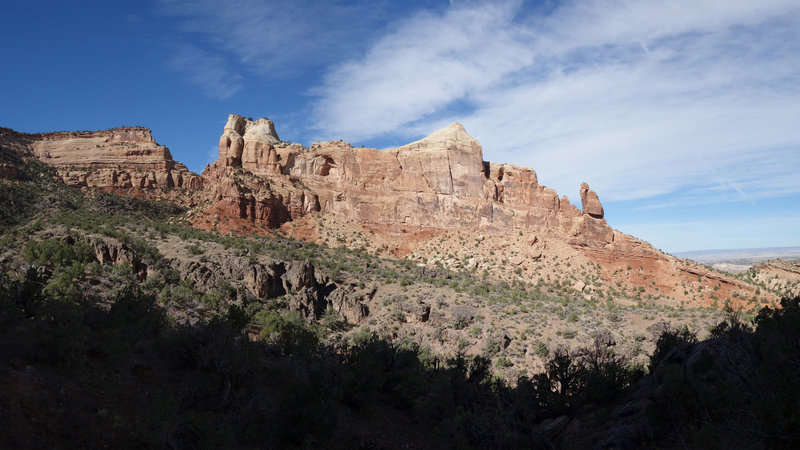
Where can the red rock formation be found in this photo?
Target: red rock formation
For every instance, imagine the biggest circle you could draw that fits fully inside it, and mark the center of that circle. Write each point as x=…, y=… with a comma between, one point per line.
x=590, y=203
x=437, y=183
x=252, y=146
x=119, y=158
x=440, y=181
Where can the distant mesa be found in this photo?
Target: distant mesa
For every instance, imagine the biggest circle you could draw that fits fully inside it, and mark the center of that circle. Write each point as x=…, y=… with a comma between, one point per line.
x=114, y=159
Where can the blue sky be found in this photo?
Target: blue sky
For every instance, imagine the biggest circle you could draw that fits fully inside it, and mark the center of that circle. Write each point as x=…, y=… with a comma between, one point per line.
x=683, y=115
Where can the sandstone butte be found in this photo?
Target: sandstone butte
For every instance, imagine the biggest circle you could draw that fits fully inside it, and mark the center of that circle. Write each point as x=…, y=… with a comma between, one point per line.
x=439, y=183
x=120, y=158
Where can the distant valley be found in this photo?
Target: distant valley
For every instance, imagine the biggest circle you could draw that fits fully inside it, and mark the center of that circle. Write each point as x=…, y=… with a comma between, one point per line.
x=741, y=259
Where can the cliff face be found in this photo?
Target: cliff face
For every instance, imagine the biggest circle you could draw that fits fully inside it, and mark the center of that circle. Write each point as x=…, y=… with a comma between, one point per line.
x=440, y=181
x=437, y=184
x=431, y=188
x=119, y=158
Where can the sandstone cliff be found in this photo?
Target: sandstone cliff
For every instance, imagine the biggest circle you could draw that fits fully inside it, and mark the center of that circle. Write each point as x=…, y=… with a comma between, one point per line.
x=117, y=159
x=440, y=181
x=436, y=187
x=439, y=184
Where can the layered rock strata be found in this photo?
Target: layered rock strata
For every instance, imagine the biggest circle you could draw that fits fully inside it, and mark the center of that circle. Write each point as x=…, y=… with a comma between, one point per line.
x=119, y=158
x=440, y=181
x=437, y=184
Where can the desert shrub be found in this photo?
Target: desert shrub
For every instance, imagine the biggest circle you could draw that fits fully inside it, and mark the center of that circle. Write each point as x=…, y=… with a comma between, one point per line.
x=17, y=202
x=64, y=285
x=129, y=206
x=23, y=295
x=503, y=361
x=181, y=294
x=61, y=337
x=563, y=371
x=731, y=323
x=492, y=346
x=541, y=349
x=460, y=322
x=195, y=249
x=288, y=331
x=308, y=411
x=217, y=298
x=367, y=364
x=738, y=386
x=670, y=339
x=332, y=320
x=132, y=318
x=605, y=373
x=57, y=253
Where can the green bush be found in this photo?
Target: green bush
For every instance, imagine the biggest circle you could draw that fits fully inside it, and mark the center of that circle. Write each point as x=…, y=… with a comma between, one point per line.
x=668, y=340
x=57, y=253
x=181, y=294
x=288, y=331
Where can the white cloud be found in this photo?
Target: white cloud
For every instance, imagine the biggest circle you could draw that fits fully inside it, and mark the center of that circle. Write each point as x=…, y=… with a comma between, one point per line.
x=699, y=99
x=424, y=64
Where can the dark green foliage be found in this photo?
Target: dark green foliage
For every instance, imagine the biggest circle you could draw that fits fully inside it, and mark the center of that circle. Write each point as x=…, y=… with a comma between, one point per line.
x=139, y=208
x=23, y=296
x=195, y=249
x=35, y=190
x=65, y=285
x=134, y=317
x=16, y=204
x=180, y=294
x=288, y=332
x=668, y=340
x=58, y=253
x=605, y=374
x=61, y=336
x=739, y=388
x=219, y=297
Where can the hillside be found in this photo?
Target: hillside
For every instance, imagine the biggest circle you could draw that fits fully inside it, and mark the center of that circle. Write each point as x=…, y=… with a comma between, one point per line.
x=404, y=202
x=472, y=270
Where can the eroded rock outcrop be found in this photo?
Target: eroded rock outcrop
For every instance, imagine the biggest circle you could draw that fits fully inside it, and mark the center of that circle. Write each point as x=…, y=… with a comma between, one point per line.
x=250, y=145
x=119, y=158
x=110, y=251
x=305, y=289
x=590, y=203
x=440, y=181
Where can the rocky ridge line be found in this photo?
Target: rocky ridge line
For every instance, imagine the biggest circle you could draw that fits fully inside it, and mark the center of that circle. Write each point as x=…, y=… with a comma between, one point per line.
x=440, y=181
x=126, y=158
x=435, y=184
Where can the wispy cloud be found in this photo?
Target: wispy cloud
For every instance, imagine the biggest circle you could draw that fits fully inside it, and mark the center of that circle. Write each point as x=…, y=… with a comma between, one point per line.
x=426, y=63
x=640, y=98
x=274, y=38
x=206, y=70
